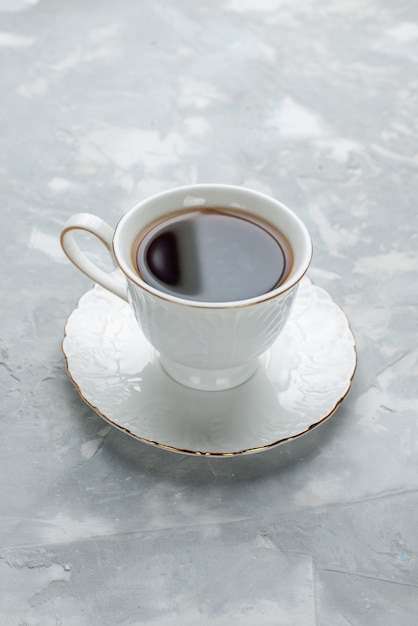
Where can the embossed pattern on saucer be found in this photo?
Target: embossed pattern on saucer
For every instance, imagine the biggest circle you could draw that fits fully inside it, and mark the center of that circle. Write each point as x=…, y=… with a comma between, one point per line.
x=300, y=383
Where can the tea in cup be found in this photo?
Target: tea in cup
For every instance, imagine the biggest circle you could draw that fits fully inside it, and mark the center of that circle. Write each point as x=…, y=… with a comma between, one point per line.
x=210, y=272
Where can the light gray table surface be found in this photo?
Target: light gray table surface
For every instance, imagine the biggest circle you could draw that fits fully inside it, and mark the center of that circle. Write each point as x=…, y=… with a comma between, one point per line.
x=314, y=102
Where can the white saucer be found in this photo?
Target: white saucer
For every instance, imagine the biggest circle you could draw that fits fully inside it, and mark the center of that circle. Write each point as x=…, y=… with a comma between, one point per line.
x=300, y=382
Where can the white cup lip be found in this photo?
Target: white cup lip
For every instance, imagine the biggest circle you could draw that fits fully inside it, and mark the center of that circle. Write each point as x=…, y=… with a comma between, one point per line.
x=290, y=282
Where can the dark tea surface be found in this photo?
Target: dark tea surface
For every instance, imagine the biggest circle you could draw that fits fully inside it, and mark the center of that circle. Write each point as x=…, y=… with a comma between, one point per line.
x=213, y=255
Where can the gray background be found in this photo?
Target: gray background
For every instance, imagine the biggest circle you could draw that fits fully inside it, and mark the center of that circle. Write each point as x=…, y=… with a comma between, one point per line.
x=314, y=102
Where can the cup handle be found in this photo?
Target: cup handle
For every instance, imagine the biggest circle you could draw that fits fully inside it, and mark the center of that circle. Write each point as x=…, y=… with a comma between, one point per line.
x=100, y=229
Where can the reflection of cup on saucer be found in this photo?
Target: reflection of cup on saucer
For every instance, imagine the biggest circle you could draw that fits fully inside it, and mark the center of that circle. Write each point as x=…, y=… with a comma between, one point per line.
x=211, y=274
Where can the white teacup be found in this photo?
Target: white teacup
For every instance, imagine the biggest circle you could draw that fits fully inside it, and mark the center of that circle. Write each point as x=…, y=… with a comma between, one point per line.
x=203, y=345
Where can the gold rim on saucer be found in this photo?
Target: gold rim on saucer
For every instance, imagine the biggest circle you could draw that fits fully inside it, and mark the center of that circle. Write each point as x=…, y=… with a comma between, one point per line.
x=305, y=378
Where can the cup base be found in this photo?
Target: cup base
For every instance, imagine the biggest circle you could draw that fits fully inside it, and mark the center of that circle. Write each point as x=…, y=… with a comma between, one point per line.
x=210, y=379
